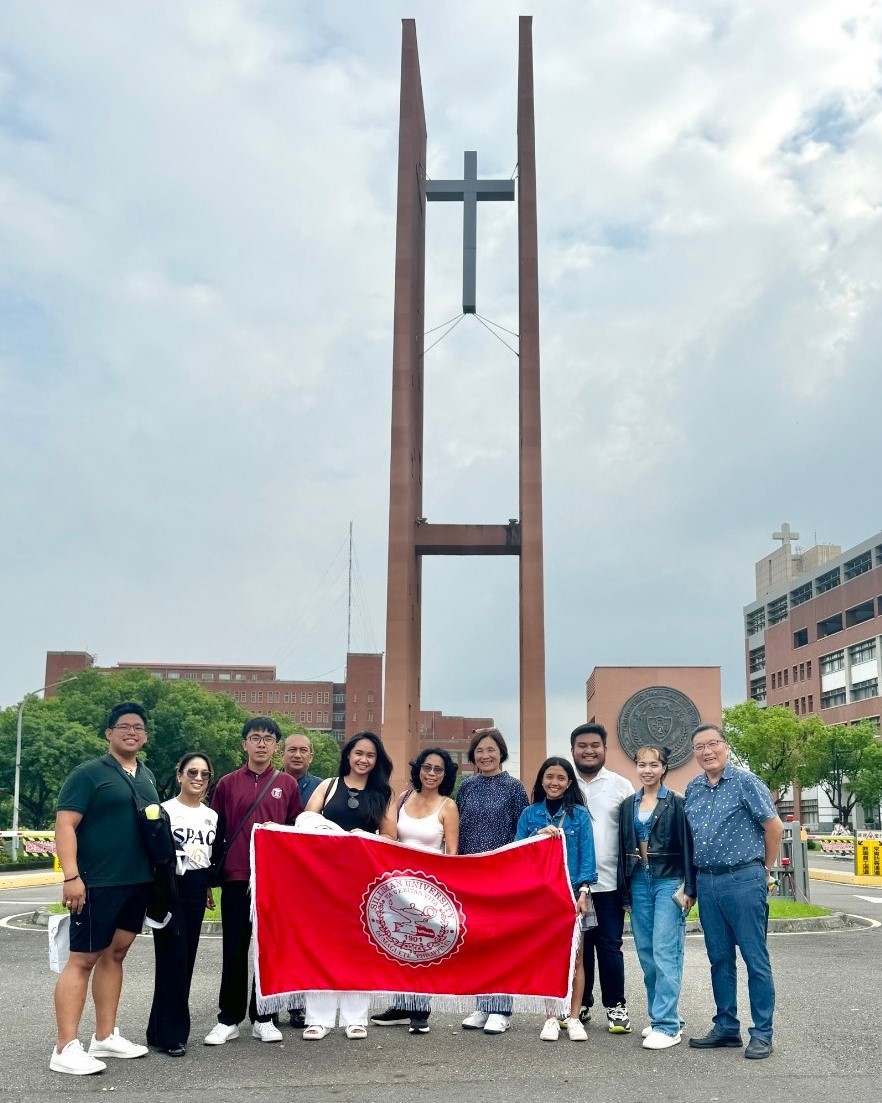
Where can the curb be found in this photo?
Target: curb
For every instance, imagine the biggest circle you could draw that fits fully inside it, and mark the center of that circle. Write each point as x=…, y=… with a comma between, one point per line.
x=838, y=878
x=836, y=921
x=30, y=880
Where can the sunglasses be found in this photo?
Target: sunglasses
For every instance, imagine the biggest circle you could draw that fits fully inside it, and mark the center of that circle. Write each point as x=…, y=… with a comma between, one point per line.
x=203, y=775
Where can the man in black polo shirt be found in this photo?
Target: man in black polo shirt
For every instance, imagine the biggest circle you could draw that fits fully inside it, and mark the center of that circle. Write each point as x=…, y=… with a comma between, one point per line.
x=107, y=878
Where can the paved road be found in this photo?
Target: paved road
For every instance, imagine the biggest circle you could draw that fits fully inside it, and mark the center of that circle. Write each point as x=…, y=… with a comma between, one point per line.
x=826, y=1045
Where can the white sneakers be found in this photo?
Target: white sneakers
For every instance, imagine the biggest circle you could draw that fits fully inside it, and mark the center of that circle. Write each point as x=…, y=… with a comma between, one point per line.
x=221, y=1033
x=74, y=1060
x=475, y=1021
x=575, y=1031
x=655, y=1039
x=115, y=1045
x=490, y=1024
x=550, y=1032
x=266, y=1032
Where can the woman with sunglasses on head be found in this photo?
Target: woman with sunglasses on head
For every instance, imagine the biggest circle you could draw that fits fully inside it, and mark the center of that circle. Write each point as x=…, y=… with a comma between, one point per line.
x=558, y=808
x=489, y=803
x=655, y=862
x=427, y=820
x=194, y=829
x=358, y=799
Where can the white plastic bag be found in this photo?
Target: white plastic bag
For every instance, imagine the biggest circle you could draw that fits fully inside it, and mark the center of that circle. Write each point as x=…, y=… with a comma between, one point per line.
x=59, y=941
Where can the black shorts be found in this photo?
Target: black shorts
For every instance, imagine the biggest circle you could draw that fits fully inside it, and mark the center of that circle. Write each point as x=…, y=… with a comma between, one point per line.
x=106, y=911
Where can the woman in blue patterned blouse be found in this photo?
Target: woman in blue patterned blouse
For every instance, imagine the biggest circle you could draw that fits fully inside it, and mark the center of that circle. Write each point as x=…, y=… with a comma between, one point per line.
x=490, y=804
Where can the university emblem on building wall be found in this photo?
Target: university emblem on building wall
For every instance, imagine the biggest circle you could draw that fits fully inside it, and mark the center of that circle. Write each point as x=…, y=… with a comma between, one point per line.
x=662, y=716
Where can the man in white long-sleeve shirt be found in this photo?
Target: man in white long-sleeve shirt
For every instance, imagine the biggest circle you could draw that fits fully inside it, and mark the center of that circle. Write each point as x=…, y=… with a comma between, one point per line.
x=603, y=791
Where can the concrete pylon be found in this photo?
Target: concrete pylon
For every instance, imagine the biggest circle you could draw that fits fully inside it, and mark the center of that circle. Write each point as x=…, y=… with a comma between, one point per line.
x=410, y=536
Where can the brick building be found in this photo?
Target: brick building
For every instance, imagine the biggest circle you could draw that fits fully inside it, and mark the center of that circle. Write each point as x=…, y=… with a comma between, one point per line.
x=337, y=708
x=813, y=637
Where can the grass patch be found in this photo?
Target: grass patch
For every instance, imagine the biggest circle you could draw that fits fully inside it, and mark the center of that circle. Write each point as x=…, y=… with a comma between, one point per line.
x=784, y=909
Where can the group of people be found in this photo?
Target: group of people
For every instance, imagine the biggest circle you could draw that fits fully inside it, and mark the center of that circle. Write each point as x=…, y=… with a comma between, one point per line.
x=651, y=853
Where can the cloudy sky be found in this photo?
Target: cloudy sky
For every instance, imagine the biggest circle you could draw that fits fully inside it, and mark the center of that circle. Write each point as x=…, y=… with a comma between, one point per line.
x=196, y=244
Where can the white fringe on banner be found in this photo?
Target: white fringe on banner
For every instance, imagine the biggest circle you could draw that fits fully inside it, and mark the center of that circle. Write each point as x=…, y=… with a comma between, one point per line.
x=412, y=1001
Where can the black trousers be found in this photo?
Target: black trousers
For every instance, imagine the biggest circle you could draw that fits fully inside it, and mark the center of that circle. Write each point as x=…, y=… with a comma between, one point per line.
x=174, y=950
x=605, y=942
x=236, y=919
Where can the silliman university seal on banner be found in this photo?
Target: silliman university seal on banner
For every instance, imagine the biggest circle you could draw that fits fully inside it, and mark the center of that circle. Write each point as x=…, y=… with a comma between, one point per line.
x=662, y=716
x=412, y=917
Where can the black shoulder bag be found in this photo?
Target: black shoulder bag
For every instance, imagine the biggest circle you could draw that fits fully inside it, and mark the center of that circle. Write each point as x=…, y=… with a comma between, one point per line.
x=156, y=833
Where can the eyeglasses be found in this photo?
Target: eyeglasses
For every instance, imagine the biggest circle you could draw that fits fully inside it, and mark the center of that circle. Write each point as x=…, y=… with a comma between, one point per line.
x=261, y=739
x=432, y=769
x=711, y=745
x=203, y=775
x=138, y=729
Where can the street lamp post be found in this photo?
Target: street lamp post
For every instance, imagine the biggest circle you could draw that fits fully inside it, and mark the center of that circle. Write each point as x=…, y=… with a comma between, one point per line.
x=17, y=787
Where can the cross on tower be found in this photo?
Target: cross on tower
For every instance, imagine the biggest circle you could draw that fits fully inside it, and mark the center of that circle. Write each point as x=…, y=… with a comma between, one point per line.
x=785, y=536
x=469, y=191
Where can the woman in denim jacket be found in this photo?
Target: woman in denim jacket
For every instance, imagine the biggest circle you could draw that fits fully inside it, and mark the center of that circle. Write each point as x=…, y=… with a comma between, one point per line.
x=655, y=863
x=558, y=809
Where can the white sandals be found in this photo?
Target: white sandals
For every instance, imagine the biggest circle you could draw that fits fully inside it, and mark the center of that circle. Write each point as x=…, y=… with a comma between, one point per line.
x=355, y=1030
x=315, y=1033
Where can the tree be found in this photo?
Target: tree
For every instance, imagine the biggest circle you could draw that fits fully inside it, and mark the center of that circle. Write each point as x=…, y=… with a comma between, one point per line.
x=770, y=741
x=51, y=747
x=325, y=750
x=61, y=732
x=866, y=785
x=181, y=717
x=843, y=760
x=325, y=755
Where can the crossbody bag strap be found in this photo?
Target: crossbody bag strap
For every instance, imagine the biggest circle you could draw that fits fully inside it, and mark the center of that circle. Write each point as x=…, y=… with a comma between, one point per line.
x=329, y=792
x=263, y=792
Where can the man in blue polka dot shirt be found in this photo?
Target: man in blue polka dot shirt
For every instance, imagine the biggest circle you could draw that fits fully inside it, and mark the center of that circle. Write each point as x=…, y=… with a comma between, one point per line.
x=736, y=833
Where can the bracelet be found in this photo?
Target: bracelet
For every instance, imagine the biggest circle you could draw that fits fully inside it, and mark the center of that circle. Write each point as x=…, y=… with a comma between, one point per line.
x=75, y=877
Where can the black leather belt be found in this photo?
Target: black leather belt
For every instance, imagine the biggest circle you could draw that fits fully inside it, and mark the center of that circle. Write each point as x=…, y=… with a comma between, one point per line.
x=730, y=869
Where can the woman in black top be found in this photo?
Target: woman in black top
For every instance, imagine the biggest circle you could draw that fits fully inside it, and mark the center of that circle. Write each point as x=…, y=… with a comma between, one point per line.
x=358, y=799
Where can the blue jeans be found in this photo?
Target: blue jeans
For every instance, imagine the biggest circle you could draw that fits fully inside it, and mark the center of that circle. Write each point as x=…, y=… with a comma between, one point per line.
x=734, y=911
x=659, y=929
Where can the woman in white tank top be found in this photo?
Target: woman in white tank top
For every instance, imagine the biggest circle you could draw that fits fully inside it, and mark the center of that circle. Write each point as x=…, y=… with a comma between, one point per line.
x=427, y=820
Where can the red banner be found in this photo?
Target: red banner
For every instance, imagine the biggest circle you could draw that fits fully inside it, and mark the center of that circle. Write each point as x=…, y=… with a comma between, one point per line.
x=346, y=913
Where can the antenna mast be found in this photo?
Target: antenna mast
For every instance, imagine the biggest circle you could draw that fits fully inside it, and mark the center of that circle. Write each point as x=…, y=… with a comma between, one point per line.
x=349, y=607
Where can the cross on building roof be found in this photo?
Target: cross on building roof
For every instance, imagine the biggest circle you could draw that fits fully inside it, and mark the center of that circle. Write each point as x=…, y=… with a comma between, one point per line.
x=785, y=535
x=469, y=191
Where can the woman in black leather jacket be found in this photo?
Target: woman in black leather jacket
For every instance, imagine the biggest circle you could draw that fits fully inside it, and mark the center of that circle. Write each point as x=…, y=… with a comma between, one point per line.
x=657, y=882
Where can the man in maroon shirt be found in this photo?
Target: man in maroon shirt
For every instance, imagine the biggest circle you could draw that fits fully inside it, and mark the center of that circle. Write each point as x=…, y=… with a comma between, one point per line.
x=233, y=801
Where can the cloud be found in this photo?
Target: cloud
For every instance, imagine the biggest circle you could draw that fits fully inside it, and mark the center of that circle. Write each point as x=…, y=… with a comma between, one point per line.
x=197, y=239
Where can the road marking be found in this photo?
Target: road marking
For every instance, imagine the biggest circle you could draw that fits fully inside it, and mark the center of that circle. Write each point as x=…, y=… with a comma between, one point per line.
x=869, y=899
